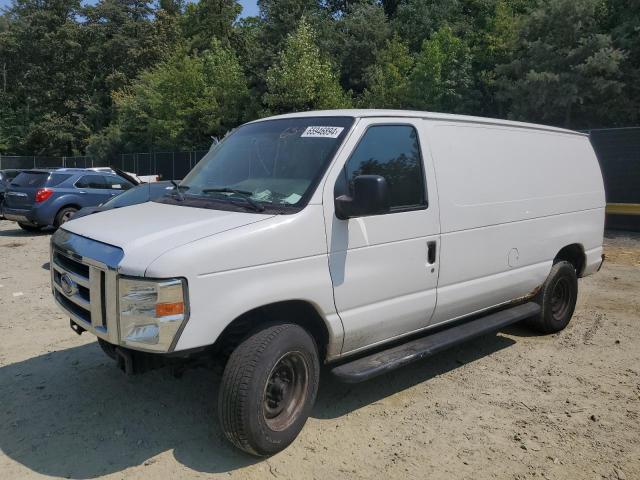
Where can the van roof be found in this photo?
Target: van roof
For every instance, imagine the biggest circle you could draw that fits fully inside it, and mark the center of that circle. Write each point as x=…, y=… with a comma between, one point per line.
x=363, y=113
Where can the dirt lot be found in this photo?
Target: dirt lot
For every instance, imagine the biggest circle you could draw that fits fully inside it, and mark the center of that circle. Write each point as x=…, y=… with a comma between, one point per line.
x=506, y=406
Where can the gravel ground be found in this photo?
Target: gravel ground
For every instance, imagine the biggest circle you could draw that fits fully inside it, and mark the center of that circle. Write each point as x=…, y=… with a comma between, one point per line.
x=513, y=405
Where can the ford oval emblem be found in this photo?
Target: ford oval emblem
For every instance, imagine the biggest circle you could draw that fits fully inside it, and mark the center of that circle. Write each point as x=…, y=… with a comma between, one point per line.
x=69, y=287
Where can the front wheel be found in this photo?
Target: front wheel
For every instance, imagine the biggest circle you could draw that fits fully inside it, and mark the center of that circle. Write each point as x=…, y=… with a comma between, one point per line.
x=557, y=299
x=268, y=388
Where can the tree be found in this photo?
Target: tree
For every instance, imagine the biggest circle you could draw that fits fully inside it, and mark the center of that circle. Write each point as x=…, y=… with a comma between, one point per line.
x=209, y=19
x=493, y=44
x=441, y=77
x=301, y=79
x=122, y=39
x=417, y=20
x=355, y=41
x=388, y=79
x=180, y=103
x=43, y=79
x=281, y=18
x=565, y=71
x=623, y=21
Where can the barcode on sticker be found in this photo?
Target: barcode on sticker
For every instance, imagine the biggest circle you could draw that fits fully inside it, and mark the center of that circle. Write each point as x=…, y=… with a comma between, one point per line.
x=322, y=132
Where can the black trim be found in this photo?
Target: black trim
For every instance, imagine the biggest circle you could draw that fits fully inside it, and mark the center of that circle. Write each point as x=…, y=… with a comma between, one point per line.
x=398, y=209
x=391, y=358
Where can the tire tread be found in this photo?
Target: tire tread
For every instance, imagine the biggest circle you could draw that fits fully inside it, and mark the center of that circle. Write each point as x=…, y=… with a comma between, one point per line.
x=234, y=388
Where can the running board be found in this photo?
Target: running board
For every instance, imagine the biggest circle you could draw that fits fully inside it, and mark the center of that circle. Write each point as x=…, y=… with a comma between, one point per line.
x=382, y=362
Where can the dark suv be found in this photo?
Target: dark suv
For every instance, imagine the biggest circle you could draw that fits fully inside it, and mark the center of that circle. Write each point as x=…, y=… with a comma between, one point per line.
x=39, y=198
x=5, y=179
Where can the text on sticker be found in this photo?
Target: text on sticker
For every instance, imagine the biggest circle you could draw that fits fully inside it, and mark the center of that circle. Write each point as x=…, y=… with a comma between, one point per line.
x=322, y=132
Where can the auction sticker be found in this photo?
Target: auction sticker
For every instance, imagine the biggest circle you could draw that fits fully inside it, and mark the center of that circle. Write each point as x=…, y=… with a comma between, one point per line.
x=322, y=132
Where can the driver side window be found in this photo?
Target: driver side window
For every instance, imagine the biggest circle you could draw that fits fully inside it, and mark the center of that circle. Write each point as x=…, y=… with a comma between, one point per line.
x=393, y=152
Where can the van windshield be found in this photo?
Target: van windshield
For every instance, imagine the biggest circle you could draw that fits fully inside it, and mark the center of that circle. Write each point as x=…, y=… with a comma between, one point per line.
x=270, y=165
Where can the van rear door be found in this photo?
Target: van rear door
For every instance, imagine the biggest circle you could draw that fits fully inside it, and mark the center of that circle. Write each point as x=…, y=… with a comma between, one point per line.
x=384, y=268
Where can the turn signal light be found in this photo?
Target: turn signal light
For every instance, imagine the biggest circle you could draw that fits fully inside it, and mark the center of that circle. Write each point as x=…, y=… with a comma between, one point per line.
x=169, y=309
x=43, y=194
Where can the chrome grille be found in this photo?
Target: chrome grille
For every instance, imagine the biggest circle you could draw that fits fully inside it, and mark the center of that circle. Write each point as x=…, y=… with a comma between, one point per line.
x=84, y=282
x=87, y=302
x=84, y=299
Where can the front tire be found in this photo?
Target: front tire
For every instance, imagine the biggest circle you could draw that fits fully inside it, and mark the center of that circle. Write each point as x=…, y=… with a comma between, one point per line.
x=268, y=389
x=557, y=299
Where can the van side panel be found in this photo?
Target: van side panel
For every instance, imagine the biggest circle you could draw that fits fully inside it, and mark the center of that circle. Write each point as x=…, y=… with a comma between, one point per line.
x=510, y=199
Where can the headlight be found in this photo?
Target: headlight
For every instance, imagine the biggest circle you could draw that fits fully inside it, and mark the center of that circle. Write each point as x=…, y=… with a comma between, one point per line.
x=151, y=312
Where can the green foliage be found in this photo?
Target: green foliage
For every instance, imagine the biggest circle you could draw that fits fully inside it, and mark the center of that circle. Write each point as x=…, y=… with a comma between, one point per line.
x=436, y=78
x=208, y=19
x=623, y=21
x=181, y=102
x=35, y=51
x=418, y=20
x=355, y=41
x=441, y=77
x=388, y=78
x=301, y=79
x=563, y=67
x=119, y=75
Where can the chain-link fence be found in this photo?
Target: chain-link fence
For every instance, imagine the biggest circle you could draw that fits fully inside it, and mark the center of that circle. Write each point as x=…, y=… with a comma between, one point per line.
x=169, y=165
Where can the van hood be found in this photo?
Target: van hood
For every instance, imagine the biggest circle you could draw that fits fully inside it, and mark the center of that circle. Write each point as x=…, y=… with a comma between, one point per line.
x=148, y=230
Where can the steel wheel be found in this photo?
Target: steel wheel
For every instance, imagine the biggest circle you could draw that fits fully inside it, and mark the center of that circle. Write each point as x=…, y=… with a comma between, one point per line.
x=557, y=299
x=285, y=393
x=561, y=298
x=268, y=388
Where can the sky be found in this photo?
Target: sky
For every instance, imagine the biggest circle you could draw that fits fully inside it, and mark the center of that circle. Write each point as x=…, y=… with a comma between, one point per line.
x=249, y=7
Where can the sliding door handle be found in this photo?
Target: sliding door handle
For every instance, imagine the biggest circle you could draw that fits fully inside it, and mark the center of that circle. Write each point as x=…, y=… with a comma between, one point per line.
x=431, y=252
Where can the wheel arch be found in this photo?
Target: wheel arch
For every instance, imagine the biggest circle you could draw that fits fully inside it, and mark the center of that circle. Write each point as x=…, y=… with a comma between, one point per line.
x=574, y=254
x=297, y=311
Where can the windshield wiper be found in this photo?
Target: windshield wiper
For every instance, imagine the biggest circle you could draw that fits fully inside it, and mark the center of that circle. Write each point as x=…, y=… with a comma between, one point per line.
x=178, y=187
x=241, y=193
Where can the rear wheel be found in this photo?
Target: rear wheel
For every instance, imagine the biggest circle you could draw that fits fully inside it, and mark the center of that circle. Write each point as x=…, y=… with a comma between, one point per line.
x=29, y=228
x=65, y=214
x=268, y=389
x=557, y=299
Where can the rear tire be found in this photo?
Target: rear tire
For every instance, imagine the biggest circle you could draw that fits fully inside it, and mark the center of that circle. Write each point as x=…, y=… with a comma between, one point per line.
x=64, y=215
x=557, y=299
x=29, y=228
x=268, y=389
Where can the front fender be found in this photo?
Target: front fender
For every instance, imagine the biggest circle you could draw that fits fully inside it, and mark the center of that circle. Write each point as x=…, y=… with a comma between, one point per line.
x=218, y=299
x=280, y=259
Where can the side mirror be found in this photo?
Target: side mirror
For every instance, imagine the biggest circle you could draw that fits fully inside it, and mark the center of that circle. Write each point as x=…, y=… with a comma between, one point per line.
x=370, y=197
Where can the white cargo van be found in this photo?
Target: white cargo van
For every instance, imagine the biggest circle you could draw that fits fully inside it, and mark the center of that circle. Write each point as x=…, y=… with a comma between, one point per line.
x=360, y=239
